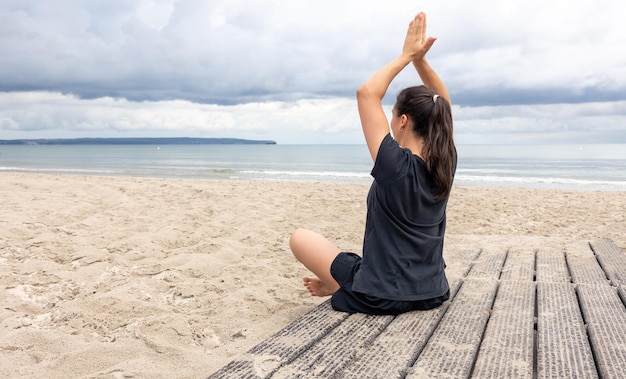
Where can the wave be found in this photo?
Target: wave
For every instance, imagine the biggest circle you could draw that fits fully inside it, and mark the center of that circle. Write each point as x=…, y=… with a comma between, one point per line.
x=62, y=170
x=492, y=177
x=335, y=174
x=548, y=182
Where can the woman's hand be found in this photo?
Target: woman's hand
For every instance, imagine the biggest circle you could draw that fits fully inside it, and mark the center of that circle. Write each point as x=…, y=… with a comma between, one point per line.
x=416, y=45
x=370, y=94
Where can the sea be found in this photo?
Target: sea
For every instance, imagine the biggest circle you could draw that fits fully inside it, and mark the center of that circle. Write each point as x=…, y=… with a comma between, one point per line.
x=568, y=167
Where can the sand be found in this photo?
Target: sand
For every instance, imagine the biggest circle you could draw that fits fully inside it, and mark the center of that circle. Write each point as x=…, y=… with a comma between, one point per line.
x=107, y=277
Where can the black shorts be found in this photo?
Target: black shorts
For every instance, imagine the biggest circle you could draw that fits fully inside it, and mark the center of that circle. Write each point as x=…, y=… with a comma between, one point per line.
x=343, y=269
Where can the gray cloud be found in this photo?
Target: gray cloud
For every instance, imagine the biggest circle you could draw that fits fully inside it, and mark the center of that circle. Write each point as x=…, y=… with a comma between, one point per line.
x=513, y=53
x=226, y=52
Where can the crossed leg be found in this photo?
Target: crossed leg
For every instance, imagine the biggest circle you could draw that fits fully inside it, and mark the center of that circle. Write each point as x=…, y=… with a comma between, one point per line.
x=316, y=253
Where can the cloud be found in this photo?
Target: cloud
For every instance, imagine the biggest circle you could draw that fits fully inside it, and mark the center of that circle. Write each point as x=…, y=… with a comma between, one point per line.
x=289, y=122
x=229, y=52
x=549, y=123
x=328, y=120
x=191, y=66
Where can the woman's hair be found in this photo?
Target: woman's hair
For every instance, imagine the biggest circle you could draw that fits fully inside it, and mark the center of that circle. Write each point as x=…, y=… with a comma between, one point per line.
x=432, y=120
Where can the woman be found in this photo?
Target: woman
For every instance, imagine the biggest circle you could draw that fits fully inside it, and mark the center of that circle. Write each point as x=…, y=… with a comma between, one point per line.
x=402, y=268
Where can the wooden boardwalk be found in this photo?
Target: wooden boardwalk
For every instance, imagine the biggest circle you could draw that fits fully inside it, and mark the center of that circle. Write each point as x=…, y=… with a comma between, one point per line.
x=519, y=312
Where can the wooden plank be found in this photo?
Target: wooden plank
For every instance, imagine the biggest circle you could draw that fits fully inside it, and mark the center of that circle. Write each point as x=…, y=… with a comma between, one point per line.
x=507, y=347
x=488, y=264
x=551, y=266
x=265, y=358
x=396, y=348
x=459, y=263
x=446, y=342
x=583, y=265
x=398, y=345
x=464, y=256
x=452, y=348
x=519, y=265
x=605, y=315
x=335, y=350
x=612, y=260
x=563, y=349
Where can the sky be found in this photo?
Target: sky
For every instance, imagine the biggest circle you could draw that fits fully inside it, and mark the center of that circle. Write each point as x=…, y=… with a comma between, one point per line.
x=518, y=72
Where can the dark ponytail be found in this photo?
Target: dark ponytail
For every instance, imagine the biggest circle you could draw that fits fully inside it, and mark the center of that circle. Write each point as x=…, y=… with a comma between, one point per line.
x=432, y=121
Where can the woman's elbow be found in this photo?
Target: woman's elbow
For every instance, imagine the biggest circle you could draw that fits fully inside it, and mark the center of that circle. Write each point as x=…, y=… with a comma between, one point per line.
x=360, y=92
x=363, y=92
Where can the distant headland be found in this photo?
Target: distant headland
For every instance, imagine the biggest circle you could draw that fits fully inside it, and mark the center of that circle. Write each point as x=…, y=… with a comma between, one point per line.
x=138, y=141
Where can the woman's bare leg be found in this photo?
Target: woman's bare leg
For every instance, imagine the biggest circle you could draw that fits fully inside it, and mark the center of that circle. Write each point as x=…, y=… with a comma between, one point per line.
x=316, y=253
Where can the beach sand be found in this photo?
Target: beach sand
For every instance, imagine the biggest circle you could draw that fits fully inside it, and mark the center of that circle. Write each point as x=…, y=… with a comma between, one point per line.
x=114, y=277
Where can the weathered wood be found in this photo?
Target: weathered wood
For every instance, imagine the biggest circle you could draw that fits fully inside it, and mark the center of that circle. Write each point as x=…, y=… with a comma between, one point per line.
x=333, y=352
x=583, y=264
x=622, y=293
x=551, y=266
x=612, y=260
x=507, y=347
x=605, y=316
x=563, y=349
x=573, y=294
x=400, y=343
x=284, y=346
x=519, y=265
x=460, y=262
x=488, y=264
x=452, y=348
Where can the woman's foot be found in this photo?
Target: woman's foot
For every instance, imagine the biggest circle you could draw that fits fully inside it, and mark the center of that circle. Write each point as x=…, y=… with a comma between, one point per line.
x=318, y=288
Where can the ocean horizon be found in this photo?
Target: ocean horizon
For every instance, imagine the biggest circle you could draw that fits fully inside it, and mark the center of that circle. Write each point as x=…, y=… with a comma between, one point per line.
x=598, y=167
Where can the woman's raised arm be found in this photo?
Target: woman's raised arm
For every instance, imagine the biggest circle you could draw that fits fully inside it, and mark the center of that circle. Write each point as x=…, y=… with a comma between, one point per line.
x=369, y=100
x=424, y=70
x=370, y=94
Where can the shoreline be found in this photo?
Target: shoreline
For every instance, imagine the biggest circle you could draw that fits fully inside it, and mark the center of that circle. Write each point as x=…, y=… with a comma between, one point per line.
x=562, y=167
x=152, y=277
x=220, y=174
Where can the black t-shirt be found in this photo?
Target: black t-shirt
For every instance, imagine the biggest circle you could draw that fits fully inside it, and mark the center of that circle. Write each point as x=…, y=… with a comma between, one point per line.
x=404, y=230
